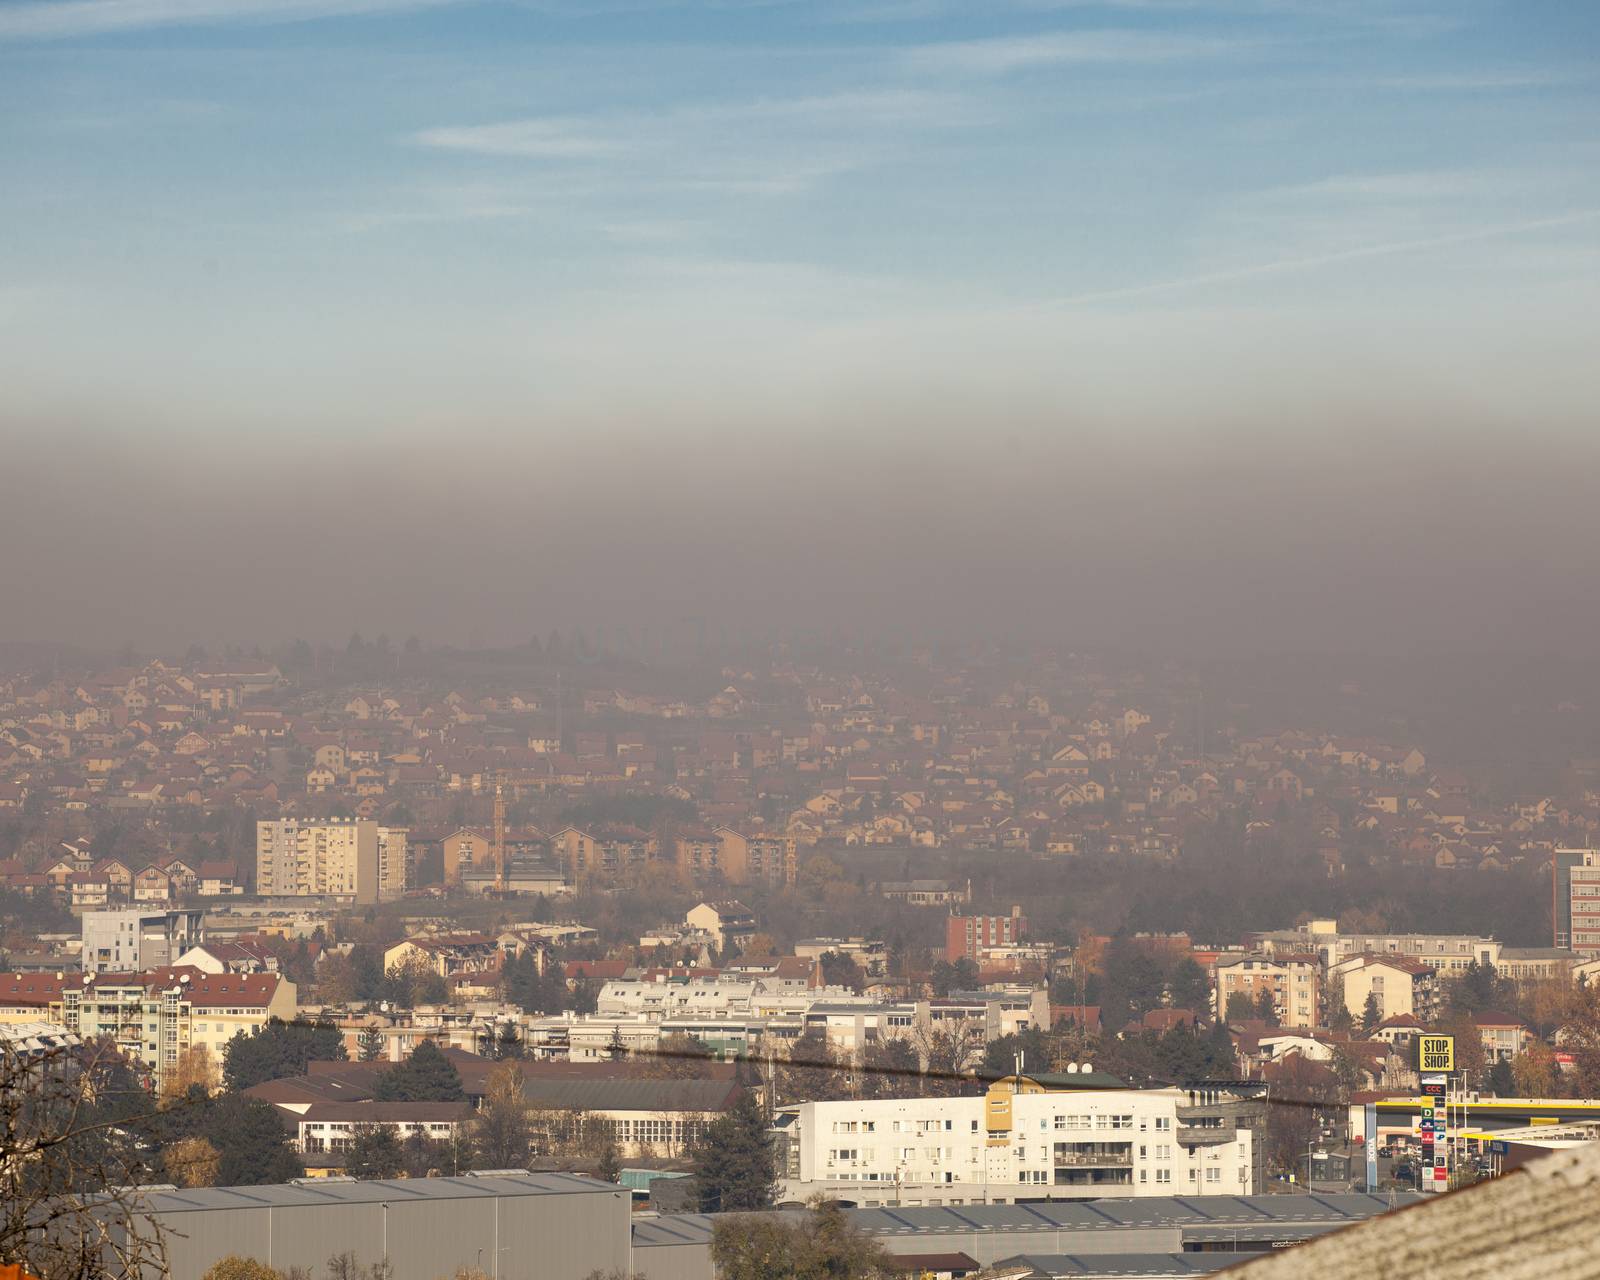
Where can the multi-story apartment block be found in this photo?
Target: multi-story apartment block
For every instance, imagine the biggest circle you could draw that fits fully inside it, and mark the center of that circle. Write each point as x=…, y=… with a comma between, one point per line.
x=154, y=1017
x=1295, y=983
x=1580, y=868
x=1400, y=986
x=1028, y=1138
x=131, y=941
x=341, y=857
x=604, y=853
x=969, y=937
x=1445, y=953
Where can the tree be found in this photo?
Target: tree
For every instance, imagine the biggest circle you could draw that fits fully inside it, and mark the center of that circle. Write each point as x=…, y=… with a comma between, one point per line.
x=279, y=1049
x=947, y=977
x=812, y=1071
x=839, y=970
x=73, y=1121
x=500, y=1130
x=1502, y=1080
x=1188, y=988
x=824, y=1245
x=608, y=1157
x=369, y=1044
x=233, y=1267
x=194, y=1067
x=374, y=1152
x=1535, y=1073
x=678, y=1057
x=193, y=1162
x=426, y=1076
x=507, y=1042
x=1033, y=1045
x=253, y=1143
x=889, y=1069
x=1267, y=1007
x=948, y=1051
x=734, y=1161
x=1371, y=1013
x=1241, y=1008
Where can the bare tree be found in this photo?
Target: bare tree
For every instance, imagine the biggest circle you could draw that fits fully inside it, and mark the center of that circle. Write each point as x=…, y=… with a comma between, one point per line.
x=71, y=1123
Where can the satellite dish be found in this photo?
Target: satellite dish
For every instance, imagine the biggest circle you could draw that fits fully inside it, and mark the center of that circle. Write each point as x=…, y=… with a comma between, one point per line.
x=1072, y=1068
x=1086, y=1067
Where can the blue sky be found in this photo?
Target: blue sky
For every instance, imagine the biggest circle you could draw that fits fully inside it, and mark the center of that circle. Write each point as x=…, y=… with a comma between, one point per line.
x=357, y=215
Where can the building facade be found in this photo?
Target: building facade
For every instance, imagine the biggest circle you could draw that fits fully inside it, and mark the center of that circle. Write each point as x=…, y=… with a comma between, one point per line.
x=970, y=937
x=131, y=941
x=1295, y=983
x=341, y=857
x=1023, y=1140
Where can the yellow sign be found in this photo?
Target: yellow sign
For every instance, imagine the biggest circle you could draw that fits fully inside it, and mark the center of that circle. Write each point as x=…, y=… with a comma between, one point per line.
x=1436, y=1053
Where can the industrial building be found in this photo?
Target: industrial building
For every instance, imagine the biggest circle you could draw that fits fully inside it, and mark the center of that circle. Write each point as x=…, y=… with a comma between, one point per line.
x=1155, y=1236
x=509, y=1225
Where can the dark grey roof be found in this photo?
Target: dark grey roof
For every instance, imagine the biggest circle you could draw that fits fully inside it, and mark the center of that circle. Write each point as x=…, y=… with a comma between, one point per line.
x=629, y=1094
x=1202, y=1218
x=321, y=1191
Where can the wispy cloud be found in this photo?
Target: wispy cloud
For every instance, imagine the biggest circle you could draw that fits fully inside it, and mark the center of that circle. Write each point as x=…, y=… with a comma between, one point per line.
x=550, y=138
x=765, y=146
x=999, y=55
x=1282, y=266
x=64, y=19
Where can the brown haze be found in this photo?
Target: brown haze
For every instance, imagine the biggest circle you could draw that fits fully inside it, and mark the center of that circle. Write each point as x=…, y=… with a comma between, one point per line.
x=1305, y=534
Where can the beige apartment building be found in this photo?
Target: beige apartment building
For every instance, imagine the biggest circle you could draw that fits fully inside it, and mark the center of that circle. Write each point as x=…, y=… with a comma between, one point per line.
x=340, y=857
x=1294, y=981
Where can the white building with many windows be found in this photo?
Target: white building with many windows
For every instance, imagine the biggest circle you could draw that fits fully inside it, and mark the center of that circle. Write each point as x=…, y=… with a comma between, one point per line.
x=1025, y=1141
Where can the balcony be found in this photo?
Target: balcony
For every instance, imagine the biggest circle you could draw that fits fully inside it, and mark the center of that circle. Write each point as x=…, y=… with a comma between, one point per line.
x=1189, y=1135
x=1119, y=1156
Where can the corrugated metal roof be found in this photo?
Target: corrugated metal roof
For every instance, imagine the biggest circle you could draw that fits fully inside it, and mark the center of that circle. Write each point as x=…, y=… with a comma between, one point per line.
x=1538, y=1222
x=318, y=1191
x=1122, y=1264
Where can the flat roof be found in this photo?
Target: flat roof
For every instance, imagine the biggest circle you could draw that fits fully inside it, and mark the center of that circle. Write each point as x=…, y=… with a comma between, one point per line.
x=396, y=1191
x=1203, y=1218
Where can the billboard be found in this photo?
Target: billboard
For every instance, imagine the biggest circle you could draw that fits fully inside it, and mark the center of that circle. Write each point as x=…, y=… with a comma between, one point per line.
x=1436, y=1053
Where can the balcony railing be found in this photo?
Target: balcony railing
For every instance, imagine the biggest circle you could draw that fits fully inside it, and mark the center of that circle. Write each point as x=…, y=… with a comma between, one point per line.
x=1198, y=1136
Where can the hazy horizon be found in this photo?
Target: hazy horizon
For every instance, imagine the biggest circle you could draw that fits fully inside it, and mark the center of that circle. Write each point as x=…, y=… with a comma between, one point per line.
x=1199, y=326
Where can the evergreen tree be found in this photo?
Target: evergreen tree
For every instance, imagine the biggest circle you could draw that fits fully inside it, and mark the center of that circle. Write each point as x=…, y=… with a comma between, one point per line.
x=507, y=1043
x=734, y=1161
x=426, y=1076
x=608, y=1158
x=1371, y=1013
x=375, y=1152
x=369, y=1044
x=1501, y=1079
x=1266, y=1007
x=252, y=1143
x=1188, y=988
x=279, y=1049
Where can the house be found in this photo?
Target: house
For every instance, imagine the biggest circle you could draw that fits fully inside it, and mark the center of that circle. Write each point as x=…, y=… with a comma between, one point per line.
x=731, y=924
x=1504, y=1035
x=447, y=954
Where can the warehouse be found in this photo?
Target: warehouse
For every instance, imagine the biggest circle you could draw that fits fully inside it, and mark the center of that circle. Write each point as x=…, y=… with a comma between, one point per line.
x=510, y=1225
x=1201, y=1234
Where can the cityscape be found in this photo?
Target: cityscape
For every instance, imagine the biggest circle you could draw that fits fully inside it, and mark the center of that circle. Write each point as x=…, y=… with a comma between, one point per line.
x=799, y=639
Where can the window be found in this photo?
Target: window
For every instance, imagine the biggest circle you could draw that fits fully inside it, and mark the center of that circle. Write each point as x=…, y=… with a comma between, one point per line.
x=1213, y=1175
x=1163, y=1175
x=1163, y=1122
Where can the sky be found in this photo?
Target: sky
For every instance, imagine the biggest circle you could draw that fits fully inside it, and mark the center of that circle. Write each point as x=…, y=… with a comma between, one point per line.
x=1201, y=322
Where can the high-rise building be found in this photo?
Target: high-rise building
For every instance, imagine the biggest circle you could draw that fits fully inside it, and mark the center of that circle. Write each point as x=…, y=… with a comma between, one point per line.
x=340, y=857
x=968, y=937
x=1578, y=910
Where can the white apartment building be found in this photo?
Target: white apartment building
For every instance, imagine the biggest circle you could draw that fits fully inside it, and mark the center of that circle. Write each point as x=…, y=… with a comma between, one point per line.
x=132, y=941
x=340, y=857
x=1009, y=1147
x=1446, y=953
